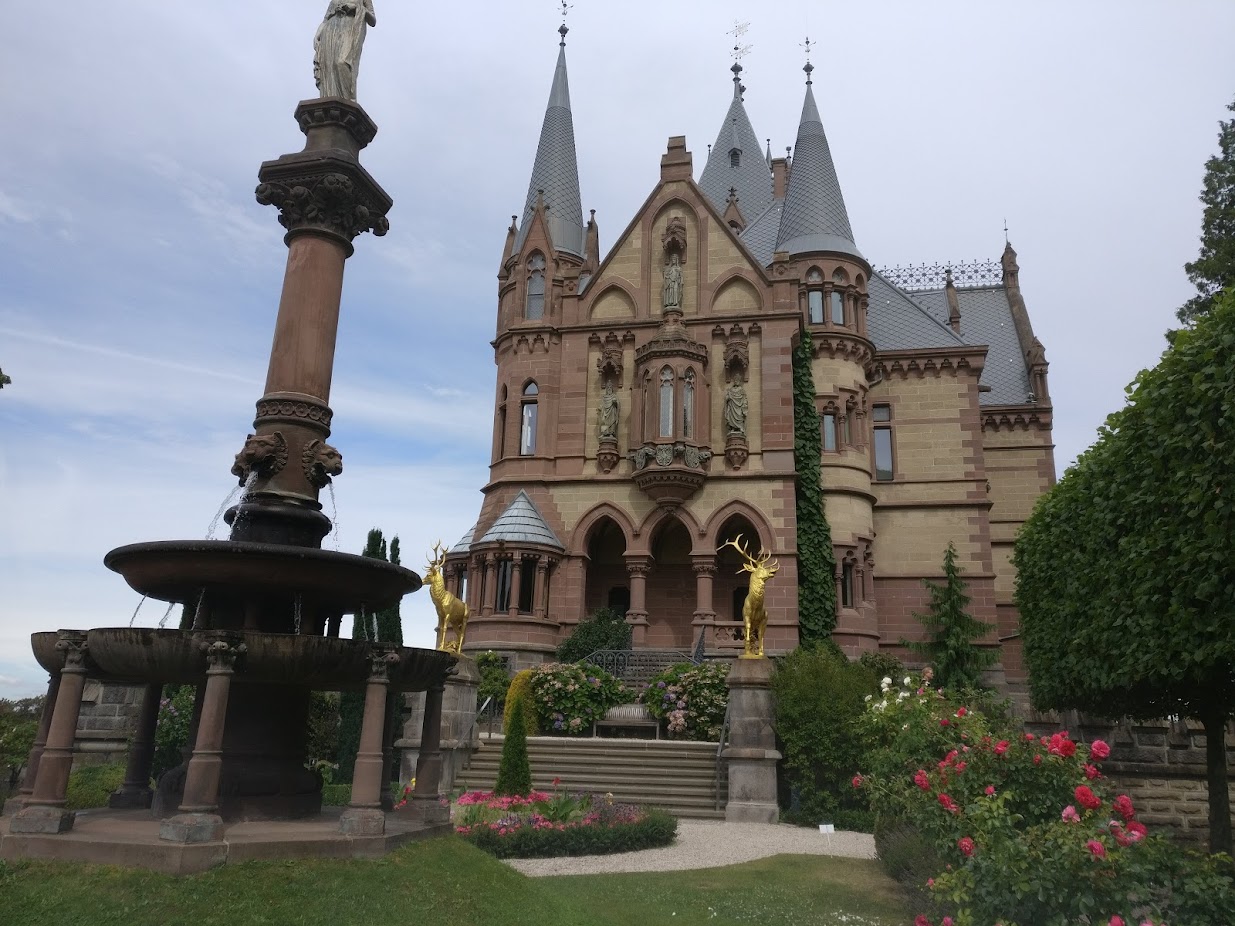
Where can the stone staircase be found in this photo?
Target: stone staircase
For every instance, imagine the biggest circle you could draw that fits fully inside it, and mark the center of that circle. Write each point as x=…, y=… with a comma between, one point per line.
x=679, y=777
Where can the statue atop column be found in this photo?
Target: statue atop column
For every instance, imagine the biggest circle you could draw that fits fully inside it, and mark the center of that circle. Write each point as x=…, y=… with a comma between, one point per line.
x=337, y=46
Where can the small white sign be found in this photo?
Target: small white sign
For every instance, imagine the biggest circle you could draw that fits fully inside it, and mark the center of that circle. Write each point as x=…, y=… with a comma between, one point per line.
x=826, y=828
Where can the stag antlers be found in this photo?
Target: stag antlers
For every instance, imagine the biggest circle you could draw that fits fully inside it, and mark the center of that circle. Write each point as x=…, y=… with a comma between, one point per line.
x=753, y=564
x=438, y=558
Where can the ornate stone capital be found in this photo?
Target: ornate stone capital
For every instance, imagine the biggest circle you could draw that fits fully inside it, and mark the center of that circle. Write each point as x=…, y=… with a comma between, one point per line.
x=336, y=113
x=71, y=645
x=221, y=655
x=380, y=662
x=704, y=569
x=638, y=567
x=329, y=202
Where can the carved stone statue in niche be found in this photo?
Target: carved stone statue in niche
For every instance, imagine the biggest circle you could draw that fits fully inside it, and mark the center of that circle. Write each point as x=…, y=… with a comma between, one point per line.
x=671, y=294
x=736, y=407
x=337, y=46
x=607, y=414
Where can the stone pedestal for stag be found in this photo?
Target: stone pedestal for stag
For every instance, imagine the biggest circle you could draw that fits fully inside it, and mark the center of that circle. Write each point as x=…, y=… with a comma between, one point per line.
x=459, y=736
x=751, y=754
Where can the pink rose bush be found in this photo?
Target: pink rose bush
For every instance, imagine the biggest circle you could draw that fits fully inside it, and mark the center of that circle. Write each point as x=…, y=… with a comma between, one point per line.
x=544, y=825
x=1025, y=829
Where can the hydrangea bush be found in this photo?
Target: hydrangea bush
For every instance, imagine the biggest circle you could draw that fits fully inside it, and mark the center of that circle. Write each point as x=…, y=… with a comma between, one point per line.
x=1027, y=828
x=569, y=697
x=690, y=699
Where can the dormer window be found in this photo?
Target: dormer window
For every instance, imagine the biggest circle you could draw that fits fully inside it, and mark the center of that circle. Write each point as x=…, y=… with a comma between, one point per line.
x=735, y=158
x=534, y=308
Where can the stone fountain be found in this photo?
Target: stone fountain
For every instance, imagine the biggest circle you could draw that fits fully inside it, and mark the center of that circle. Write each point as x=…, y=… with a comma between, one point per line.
x=264, y=607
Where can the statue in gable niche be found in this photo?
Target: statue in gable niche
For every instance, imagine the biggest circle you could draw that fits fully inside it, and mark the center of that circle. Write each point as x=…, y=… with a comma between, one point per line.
x=607, y=414
x=736, y=407
x=337, y=46
x=671, y=294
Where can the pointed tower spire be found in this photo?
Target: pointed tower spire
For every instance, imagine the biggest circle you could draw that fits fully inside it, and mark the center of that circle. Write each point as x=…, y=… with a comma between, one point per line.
x=815, y=218
x=734, y=160
x=556, y=171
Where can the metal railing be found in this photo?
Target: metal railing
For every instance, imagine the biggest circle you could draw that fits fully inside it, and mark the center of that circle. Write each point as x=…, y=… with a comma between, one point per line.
x=636, y=665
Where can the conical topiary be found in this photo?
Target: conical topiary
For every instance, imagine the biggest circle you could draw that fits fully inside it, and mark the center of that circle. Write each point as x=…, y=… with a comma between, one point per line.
x=514, y=775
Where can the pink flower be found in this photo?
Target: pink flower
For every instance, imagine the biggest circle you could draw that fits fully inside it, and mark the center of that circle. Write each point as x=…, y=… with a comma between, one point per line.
x=1070, y=815
x=857, y=781
x=1037, y=759
x=1087, y=799
x=1136, y=830
x=1096, y=849
x=1001, y=747
x=930, y=882
x=920, y=779
x=1091, y=772
x=948, y=804
x=1098, y=750
x=1029, y=737
x=965, y=844
x=921, y=920
x=946, y=921
x=1116, y=921
x=961, y=766
x=990, y=790
x=961, y=712
x=945, y=722
x=1122, y=805
x=1060, y=745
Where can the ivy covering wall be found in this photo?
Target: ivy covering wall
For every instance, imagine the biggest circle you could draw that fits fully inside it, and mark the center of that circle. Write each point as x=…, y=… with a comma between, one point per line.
x=816, y=562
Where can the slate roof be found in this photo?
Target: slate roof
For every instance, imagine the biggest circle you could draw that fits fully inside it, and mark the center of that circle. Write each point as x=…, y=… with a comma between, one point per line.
x=556, y=170
x=521, y=523
x=986, y=318
x=815, y=218
x=465, y=542
x=896, y=322
x=752, y=178
x=760, y=235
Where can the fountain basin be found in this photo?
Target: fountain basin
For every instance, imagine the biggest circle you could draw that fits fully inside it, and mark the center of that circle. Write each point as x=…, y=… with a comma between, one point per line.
x=180, y=570
x=146, y=654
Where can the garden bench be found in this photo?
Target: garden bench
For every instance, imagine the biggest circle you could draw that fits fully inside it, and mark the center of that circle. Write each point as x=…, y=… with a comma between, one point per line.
x=625, y=717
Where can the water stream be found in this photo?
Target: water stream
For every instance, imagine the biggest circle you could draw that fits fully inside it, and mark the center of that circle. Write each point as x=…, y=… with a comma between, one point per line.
x=135, y=610
x=218, y=515
x=296, y=614
x=334, y=516
x=166, y=615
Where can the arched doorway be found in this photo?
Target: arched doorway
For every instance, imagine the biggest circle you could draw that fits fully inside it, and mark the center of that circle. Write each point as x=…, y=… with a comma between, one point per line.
x=671, y=588
x=608, y=585
x=731, y=581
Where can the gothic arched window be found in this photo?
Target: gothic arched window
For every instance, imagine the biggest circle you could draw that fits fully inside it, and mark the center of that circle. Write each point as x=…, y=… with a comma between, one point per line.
x=688, y=404
x=535, y=306
x=666, y=402
x=527, y=431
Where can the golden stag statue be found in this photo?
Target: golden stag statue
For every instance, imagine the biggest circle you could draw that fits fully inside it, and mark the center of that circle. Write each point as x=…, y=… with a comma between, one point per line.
x=451, y=612
x=754, y=614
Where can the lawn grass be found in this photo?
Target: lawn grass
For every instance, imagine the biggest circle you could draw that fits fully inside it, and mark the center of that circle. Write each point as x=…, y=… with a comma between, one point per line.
x=450, y=882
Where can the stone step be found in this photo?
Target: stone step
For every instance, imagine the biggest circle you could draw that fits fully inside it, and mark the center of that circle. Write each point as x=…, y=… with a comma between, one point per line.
x=677, y=776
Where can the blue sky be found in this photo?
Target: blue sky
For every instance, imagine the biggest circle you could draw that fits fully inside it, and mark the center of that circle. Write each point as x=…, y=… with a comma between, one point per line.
x=139, y=279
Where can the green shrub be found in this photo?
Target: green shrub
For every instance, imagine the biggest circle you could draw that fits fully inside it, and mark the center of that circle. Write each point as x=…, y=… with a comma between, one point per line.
x=336, y=794
x=908, y=857
x=494, y=680
x=171, y=734
x=626, y=830
x=323, y=737
x=819, y=700
x=691, y=699
x=514, y=774
x=882, y=665
x=604, y=628
x=520, y=692
x=570, y=697
x=92, y=785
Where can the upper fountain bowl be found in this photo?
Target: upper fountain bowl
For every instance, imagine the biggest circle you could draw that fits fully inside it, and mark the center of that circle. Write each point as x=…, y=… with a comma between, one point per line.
x=180, y=570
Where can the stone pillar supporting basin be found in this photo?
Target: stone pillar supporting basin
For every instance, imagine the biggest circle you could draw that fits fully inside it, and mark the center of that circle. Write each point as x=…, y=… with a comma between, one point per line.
x=459, y=734
x=136, y=792
x=18, y=801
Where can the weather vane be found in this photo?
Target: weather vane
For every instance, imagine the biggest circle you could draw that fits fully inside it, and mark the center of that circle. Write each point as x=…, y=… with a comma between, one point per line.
x=806, y=45
x=739, y=50
x=1005, y=230
x=566, y=8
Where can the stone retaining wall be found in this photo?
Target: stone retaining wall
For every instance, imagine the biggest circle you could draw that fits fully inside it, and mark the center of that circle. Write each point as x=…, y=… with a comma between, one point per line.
x=105, y=725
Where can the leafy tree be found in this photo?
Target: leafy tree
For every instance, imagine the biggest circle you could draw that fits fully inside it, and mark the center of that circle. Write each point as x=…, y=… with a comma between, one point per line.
x=816, y=561
x=952, y=632
x=514, y=774
x=4, y=380
x=1126, y=569
x=604, y=628
x=494, y=679
x=19, y=723
x=1214, y=268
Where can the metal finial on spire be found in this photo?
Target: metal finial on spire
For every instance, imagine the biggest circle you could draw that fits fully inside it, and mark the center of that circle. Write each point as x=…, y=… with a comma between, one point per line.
x=739, y=50
x=563, y=28
x=1005, y=231
x=808, y=67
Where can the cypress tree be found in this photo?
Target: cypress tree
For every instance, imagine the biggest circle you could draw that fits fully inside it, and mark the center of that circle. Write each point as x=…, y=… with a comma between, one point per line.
x=514, y=775
x=389, y=621
x=952, y=630
x=1214, y=268
x=816, y=562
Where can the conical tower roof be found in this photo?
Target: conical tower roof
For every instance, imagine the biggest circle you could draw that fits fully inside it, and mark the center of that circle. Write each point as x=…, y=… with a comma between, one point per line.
x=751, y=178
x=556, y=170
x=815, y=218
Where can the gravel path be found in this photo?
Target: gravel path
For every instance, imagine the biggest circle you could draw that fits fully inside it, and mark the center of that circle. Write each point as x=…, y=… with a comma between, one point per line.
x=708, y=844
